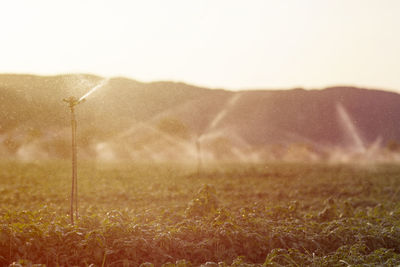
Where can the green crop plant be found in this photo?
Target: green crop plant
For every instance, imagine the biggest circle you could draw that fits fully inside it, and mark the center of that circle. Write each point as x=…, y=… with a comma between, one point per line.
x=163, y=215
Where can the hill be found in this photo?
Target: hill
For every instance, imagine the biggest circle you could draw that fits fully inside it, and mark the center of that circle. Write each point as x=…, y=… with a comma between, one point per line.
x=167, y=120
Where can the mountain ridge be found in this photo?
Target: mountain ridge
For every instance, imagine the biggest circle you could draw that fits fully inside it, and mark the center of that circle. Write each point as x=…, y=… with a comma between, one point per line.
x=347, y=117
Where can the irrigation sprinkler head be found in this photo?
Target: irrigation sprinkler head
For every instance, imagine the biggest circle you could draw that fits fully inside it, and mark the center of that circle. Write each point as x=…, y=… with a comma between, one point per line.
x=73, y=101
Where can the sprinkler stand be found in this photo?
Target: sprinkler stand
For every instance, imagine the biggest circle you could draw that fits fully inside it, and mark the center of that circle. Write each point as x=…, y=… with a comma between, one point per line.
x=72, y=102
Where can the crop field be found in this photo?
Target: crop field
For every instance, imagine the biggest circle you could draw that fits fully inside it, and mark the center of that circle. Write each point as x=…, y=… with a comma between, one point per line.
x=278, y=214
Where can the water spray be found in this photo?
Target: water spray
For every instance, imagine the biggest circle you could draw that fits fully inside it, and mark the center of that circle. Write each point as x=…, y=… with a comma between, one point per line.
x=350, y=129
x=211, y=126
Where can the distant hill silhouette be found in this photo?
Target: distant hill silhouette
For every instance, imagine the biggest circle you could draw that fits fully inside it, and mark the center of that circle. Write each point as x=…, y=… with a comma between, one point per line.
x=126, y=116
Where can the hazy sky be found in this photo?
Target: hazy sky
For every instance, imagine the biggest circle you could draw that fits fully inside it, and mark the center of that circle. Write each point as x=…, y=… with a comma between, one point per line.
x=215, y=43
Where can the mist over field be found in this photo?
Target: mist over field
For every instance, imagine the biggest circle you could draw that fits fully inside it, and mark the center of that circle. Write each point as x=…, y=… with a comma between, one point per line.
x=124, y=119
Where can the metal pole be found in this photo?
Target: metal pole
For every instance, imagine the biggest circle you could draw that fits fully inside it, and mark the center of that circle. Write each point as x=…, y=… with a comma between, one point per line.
x=72, y=102
x=74, y=163
x=73, y=123
x=199, y=156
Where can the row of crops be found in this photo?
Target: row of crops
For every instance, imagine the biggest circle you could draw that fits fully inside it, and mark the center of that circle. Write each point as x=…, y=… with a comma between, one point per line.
x=168, y=215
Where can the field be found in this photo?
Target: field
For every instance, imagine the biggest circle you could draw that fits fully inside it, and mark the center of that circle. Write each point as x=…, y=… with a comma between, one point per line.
x=277, y=214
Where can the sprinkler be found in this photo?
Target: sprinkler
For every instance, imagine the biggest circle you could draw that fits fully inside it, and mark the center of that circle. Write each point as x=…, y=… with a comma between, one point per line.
x=211, y=126
x=72, y=102
x=199, y=156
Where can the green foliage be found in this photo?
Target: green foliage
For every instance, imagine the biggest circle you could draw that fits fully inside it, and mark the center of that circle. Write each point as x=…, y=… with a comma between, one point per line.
x=204, y=202
x=163, y=215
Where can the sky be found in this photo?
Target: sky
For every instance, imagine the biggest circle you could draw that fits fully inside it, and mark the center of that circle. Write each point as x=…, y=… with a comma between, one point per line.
x=231, y=44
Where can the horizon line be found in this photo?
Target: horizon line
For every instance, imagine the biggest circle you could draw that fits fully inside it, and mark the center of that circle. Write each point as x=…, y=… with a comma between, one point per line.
x=113, y=77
